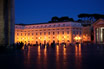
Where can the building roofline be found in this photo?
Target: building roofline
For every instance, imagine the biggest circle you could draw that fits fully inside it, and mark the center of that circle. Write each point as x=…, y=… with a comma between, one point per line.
x=44, y=23
x=98, y=21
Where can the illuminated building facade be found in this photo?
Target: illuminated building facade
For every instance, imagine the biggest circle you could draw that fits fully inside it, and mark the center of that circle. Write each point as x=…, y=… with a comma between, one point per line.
x=63, y=32
x=86, y=34
x=99, y=31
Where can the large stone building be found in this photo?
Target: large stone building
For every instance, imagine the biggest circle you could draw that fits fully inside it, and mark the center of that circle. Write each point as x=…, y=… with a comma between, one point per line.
x=68, y=32
x=6, y=22
x=99, y=31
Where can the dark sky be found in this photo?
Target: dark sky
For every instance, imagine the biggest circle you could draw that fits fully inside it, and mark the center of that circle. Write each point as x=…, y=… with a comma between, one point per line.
x=39, y=11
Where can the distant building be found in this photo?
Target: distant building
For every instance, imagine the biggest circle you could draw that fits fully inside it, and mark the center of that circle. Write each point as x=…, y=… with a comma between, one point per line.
x=86, y=34
x=63, y=32
x=6, y=22
x=99, y=31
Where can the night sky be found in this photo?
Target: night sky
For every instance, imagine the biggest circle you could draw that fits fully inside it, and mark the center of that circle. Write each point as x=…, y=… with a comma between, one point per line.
x=39, y=11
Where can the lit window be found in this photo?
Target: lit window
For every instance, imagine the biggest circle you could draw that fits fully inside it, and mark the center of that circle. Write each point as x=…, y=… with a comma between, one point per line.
x=67, y=36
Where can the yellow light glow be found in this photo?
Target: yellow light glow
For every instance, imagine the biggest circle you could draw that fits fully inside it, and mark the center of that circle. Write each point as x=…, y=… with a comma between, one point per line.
x=77, y=38
x=64, y=37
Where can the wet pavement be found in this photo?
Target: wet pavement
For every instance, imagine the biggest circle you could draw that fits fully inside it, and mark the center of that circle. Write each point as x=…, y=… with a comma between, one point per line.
x=71, y=57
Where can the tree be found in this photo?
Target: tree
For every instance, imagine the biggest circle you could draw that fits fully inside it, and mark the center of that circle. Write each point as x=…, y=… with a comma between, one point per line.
x=90, y=18
x=62, y=19
x=55, y=19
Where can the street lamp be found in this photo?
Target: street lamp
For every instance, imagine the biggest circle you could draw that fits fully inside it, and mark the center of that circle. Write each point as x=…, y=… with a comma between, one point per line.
x=77, y=38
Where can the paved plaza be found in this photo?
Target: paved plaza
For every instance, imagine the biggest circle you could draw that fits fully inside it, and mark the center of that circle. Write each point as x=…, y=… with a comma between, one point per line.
x=59, y=57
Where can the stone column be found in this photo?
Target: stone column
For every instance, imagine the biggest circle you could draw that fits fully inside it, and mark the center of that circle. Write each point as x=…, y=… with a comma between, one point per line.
x=95, y=35
x=6, y=22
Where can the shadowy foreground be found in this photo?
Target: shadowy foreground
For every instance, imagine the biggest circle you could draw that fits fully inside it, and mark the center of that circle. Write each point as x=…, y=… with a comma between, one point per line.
x=59, y=57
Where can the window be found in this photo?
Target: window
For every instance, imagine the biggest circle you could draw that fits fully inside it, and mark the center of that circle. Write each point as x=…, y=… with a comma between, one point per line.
x=67, y=36
x=58, y=32
x=40, y=33
x=73, y=32
x=44, y=33
x=53, y=25
x=76, y=32
x=67, y=28
x=68, y=41
x=62, y=32
x=67, y=32
x=36, y=37
x=33, y=26
x=37, y=26
x=36, y=33
x=28, y=33
x=49, y=25
x=80, y=32
x=25, y=34
x=32, y=33
x=63, y=24
x=48, y=33
x=62, y=29
x=21, y=34
x=17, y=33
x=53, y=33
x=44, y=29
x=58, y=25
x=45, y=25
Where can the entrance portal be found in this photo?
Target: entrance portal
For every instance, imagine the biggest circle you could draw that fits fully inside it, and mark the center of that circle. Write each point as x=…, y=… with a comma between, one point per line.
x=103, y=35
